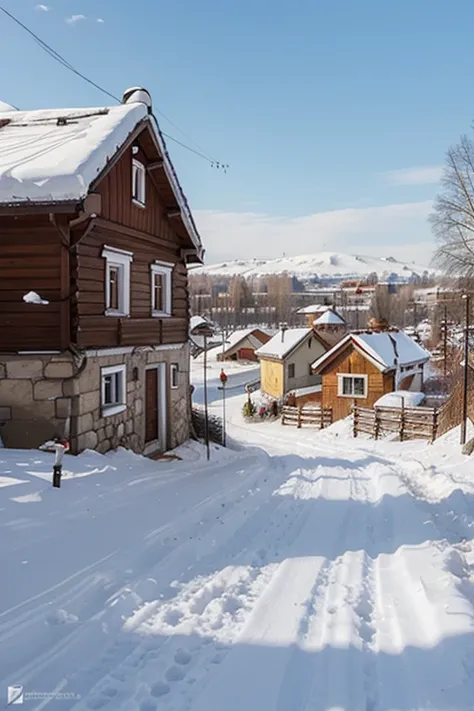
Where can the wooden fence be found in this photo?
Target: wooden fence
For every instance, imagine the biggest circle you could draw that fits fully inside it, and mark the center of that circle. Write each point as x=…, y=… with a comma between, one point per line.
x=407, y=422
x=310, y=416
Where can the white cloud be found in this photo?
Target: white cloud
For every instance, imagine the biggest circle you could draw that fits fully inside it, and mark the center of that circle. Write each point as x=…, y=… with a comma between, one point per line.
x=42, y=8
x=400, y=230
x=75, y=18
x=424, y=175
x=100, y=20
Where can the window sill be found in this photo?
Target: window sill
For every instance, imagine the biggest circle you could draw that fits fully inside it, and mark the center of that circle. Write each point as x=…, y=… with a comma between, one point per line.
x=159, y=314
x=110, y=410
x=119, y=314
x=353, y=397
x=138, y=203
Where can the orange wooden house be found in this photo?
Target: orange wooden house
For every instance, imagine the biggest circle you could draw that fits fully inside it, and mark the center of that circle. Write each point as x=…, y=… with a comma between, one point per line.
x=365, y=366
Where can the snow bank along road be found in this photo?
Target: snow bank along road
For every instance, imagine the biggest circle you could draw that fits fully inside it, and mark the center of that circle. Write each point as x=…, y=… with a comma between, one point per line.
x=338, y=578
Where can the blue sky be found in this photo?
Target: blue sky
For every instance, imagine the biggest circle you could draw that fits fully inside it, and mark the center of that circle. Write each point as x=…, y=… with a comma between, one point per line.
x=333, y=115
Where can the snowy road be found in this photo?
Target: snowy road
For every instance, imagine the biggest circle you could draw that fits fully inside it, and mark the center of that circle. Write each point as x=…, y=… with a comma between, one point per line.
x=305, y=572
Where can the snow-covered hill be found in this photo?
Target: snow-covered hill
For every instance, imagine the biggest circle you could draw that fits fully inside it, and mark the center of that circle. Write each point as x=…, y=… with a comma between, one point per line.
x=322, y=265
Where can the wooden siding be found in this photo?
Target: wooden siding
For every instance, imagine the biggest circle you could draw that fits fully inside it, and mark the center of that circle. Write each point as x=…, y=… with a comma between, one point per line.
x=32, y=259
x=115, y=190
x=350, y=361
x=92, y=328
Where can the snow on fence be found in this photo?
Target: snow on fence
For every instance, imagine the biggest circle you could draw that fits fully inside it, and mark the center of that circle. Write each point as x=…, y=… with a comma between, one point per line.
x=306, y=416
x=407, y=422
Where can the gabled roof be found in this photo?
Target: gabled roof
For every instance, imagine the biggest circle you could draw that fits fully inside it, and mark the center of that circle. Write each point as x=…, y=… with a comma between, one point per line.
x=330, y=317
x=386, y=350
x=54, y=156
x=238, y=336
x=292, y=338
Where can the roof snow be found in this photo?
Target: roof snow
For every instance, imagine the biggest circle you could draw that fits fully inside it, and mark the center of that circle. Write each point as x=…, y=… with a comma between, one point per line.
x=386, y=349
x=313, y=309
x=237, y=336
x=407, y=398
x=283, y=342
x=329, y=317
x=54, y=155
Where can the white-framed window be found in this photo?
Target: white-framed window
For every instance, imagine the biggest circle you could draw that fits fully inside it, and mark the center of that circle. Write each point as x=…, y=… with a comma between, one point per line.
x=117, y=281
x=161, y=288
x=174, y=370
x=138, y=182
x=113, y=389
x=291, y=370
x=352, y=385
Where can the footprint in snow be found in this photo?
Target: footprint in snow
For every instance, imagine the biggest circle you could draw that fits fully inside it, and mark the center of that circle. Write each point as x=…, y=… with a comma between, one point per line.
x=160, y=689
x=173, y=617
x=175, y=674
x=182, y=657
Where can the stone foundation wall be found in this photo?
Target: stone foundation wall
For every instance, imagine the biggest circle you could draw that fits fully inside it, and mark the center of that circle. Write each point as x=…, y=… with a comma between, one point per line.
x=34, y=404
x=46, y=396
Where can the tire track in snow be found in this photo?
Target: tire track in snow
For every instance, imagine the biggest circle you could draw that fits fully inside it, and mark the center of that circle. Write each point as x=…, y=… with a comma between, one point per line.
x=274, y=523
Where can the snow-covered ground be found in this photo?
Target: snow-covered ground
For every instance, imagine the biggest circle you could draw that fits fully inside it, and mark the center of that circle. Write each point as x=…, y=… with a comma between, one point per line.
x=299, y=571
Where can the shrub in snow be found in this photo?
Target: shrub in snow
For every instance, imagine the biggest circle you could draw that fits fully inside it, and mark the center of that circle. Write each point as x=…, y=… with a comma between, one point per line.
x=248, y=409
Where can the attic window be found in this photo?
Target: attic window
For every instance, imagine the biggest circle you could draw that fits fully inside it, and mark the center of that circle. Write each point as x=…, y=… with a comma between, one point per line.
x=138, y=183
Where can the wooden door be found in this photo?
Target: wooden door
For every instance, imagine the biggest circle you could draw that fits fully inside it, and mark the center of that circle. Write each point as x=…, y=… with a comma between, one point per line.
x=151, y=405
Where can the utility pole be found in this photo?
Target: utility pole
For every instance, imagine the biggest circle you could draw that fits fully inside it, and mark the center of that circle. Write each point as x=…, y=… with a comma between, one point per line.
x=445, y=341
x=206, y=413
x=467, y=299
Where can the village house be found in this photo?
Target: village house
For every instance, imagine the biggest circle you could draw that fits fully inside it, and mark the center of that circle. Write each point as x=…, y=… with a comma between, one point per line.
x=363, y=366
x=242, y=344
x=96, y=236
x=286, y=360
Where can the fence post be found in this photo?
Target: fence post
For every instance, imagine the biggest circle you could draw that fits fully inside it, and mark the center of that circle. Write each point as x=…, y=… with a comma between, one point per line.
x=355, y=419
x=402, y=420
x=321, y=415
x=377, y=423
x=298, y=419
x=434, y=431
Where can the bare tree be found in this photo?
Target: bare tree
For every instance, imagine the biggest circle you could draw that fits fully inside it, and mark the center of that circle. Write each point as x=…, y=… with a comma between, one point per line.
x=453, y=216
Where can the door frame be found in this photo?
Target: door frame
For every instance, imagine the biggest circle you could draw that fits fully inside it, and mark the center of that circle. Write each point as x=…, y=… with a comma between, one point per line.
x=161, y=443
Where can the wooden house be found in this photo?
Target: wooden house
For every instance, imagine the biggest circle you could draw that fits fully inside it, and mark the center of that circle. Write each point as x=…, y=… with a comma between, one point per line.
x=242, y=344
x=286, y=361
x=365, y=366
x=96, y=231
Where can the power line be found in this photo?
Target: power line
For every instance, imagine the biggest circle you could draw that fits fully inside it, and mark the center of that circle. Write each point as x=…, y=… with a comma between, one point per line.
x=67, y=65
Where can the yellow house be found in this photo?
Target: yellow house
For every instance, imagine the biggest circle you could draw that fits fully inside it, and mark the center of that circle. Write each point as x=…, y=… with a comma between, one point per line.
x=285, y=361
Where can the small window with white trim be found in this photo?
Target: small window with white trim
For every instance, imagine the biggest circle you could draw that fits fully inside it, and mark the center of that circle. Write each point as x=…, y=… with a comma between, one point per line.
x=117, y=281
x=161, y=288
x=113, y=389
x=352, y=386
x=138, y=182
x=174, y=370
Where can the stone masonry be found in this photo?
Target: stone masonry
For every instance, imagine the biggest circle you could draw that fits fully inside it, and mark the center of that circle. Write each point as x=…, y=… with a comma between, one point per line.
x=42, y=396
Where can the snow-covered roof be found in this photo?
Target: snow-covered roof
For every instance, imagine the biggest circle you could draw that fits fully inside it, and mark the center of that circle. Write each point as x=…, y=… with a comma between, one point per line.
x=399, y=397
x=386, y=349
x=329, y=317
x=284, y=342
x=313, y=309
x=237, y=336
x=300, y=392
x=55, y=155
